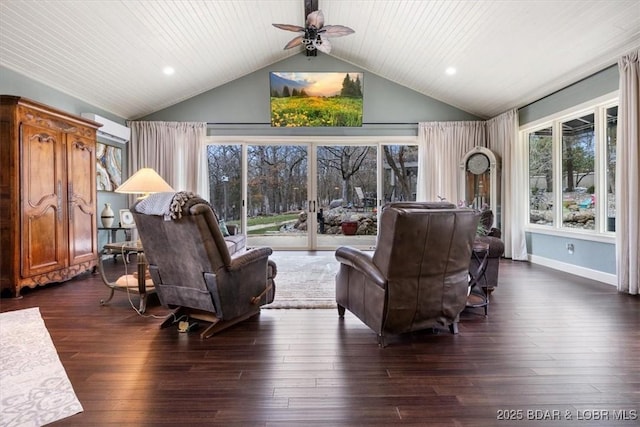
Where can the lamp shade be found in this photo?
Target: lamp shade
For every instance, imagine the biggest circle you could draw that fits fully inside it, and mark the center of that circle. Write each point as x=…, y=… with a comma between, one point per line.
x=145, y=181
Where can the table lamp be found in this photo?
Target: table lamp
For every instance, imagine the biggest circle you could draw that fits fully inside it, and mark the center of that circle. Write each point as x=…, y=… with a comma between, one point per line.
x=145, y=181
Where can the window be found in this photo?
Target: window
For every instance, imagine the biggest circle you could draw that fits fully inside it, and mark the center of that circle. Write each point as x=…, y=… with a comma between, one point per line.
x=578, y=157
x=571, y=164
x=610, y=180
x=225, y=181
x=541, y=176
x=400, y=172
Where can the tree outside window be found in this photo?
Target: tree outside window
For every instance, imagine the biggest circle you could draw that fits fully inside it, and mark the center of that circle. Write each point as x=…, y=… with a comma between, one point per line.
x=541, y=177
x=578, y=178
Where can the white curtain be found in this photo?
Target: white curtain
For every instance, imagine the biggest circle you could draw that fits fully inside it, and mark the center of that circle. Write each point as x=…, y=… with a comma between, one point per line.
x=442, y=145
x=627, y=175
x=176, y=150
x=502, y=137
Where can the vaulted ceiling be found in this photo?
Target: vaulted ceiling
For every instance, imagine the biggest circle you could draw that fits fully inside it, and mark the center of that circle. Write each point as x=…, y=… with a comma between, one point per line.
x=111, y=53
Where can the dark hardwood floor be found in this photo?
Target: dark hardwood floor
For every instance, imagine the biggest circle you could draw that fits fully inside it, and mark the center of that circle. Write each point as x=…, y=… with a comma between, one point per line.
x=554, y=350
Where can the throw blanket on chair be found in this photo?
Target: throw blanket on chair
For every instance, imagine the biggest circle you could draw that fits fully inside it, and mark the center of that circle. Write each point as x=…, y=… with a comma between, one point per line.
x=168, y=205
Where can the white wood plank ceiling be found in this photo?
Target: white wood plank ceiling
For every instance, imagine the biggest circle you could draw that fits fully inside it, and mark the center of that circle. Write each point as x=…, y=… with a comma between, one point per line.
x=110, y=53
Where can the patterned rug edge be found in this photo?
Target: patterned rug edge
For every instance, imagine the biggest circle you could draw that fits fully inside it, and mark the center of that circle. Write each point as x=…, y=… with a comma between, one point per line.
x=35, y=387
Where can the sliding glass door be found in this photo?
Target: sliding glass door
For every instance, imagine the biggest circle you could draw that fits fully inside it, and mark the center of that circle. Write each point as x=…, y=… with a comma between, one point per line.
x=347, y=188
x=277, y=196
x=309, y=195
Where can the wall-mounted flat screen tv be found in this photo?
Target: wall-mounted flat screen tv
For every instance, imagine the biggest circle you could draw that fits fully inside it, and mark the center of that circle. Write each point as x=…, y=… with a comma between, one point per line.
x=316, y=99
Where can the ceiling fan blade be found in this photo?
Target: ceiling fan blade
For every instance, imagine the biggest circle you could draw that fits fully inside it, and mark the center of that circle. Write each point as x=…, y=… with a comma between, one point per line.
x=315, y=19
x=314, y=27
x=296, y=41
x=294, y=28
x=324, y=47
x=336, y=31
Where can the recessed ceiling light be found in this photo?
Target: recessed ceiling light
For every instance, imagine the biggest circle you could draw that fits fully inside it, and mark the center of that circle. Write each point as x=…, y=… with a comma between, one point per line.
x=168, y=71
x=450, y=71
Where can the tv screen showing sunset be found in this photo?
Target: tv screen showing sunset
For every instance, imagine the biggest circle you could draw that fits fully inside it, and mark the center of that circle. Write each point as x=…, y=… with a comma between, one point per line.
x=316, y=99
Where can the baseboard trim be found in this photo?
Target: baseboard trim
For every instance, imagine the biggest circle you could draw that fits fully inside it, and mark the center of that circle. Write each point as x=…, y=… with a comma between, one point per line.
x=608, y=278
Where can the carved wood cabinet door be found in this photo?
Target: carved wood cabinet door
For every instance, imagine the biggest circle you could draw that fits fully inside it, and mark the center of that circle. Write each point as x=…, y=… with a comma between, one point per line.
x=81, y=194
x=43, y=198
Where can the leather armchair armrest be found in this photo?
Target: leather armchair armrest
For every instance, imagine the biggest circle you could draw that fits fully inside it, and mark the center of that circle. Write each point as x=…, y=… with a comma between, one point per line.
x=248, y=257
x=362, y=262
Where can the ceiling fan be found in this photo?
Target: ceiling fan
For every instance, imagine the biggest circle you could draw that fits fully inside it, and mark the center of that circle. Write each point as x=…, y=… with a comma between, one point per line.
x=315, y=34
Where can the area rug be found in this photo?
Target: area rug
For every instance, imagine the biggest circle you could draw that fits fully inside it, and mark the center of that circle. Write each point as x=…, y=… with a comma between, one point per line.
x=304, y=280
x=34, y=387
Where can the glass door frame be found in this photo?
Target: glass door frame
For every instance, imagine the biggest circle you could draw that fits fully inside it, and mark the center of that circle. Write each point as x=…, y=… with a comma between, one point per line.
x=312, y=143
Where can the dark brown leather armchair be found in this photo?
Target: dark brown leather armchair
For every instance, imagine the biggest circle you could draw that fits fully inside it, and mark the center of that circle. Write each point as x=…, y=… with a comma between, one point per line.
x=417, y=277
x=192, y=268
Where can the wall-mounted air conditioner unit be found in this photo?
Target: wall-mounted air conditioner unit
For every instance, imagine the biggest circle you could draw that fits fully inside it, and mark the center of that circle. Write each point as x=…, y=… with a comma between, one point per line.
x=110, y=130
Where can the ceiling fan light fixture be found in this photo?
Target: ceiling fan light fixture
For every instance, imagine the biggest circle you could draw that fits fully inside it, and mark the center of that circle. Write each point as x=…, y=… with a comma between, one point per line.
x=312, y=33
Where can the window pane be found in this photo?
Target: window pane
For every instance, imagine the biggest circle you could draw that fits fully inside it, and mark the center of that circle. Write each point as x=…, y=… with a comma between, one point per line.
x=347, y=184
x=400, y=174
x=277, y=196
x=541, y=177
x=612, y=127
x=225, y=181
x=578, y=160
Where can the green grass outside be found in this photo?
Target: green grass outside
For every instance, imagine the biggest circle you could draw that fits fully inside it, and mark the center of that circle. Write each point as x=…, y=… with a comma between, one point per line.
x=316, y=111
x=258, y=220
x=264, y=230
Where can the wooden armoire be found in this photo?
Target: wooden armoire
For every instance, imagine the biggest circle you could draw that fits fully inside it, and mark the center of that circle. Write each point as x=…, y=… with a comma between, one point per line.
x=48, y=227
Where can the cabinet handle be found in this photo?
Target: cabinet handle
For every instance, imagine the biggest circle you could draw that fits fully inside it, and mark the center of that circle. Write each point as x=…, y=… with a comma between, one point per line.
x=59, y=201
x=70, y=198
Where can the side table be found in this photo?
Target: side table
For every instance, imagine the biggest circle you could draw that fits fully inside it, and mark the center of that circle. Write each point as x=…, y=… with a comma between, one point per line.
x=112, y=235
x=126, y=248
x=478, y=296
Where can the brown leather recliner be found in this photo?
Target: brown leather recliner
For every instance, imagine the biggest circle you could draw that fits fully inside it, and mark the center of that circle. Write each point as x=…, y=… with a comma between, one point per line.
x=417, y=277
x=192, y=268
